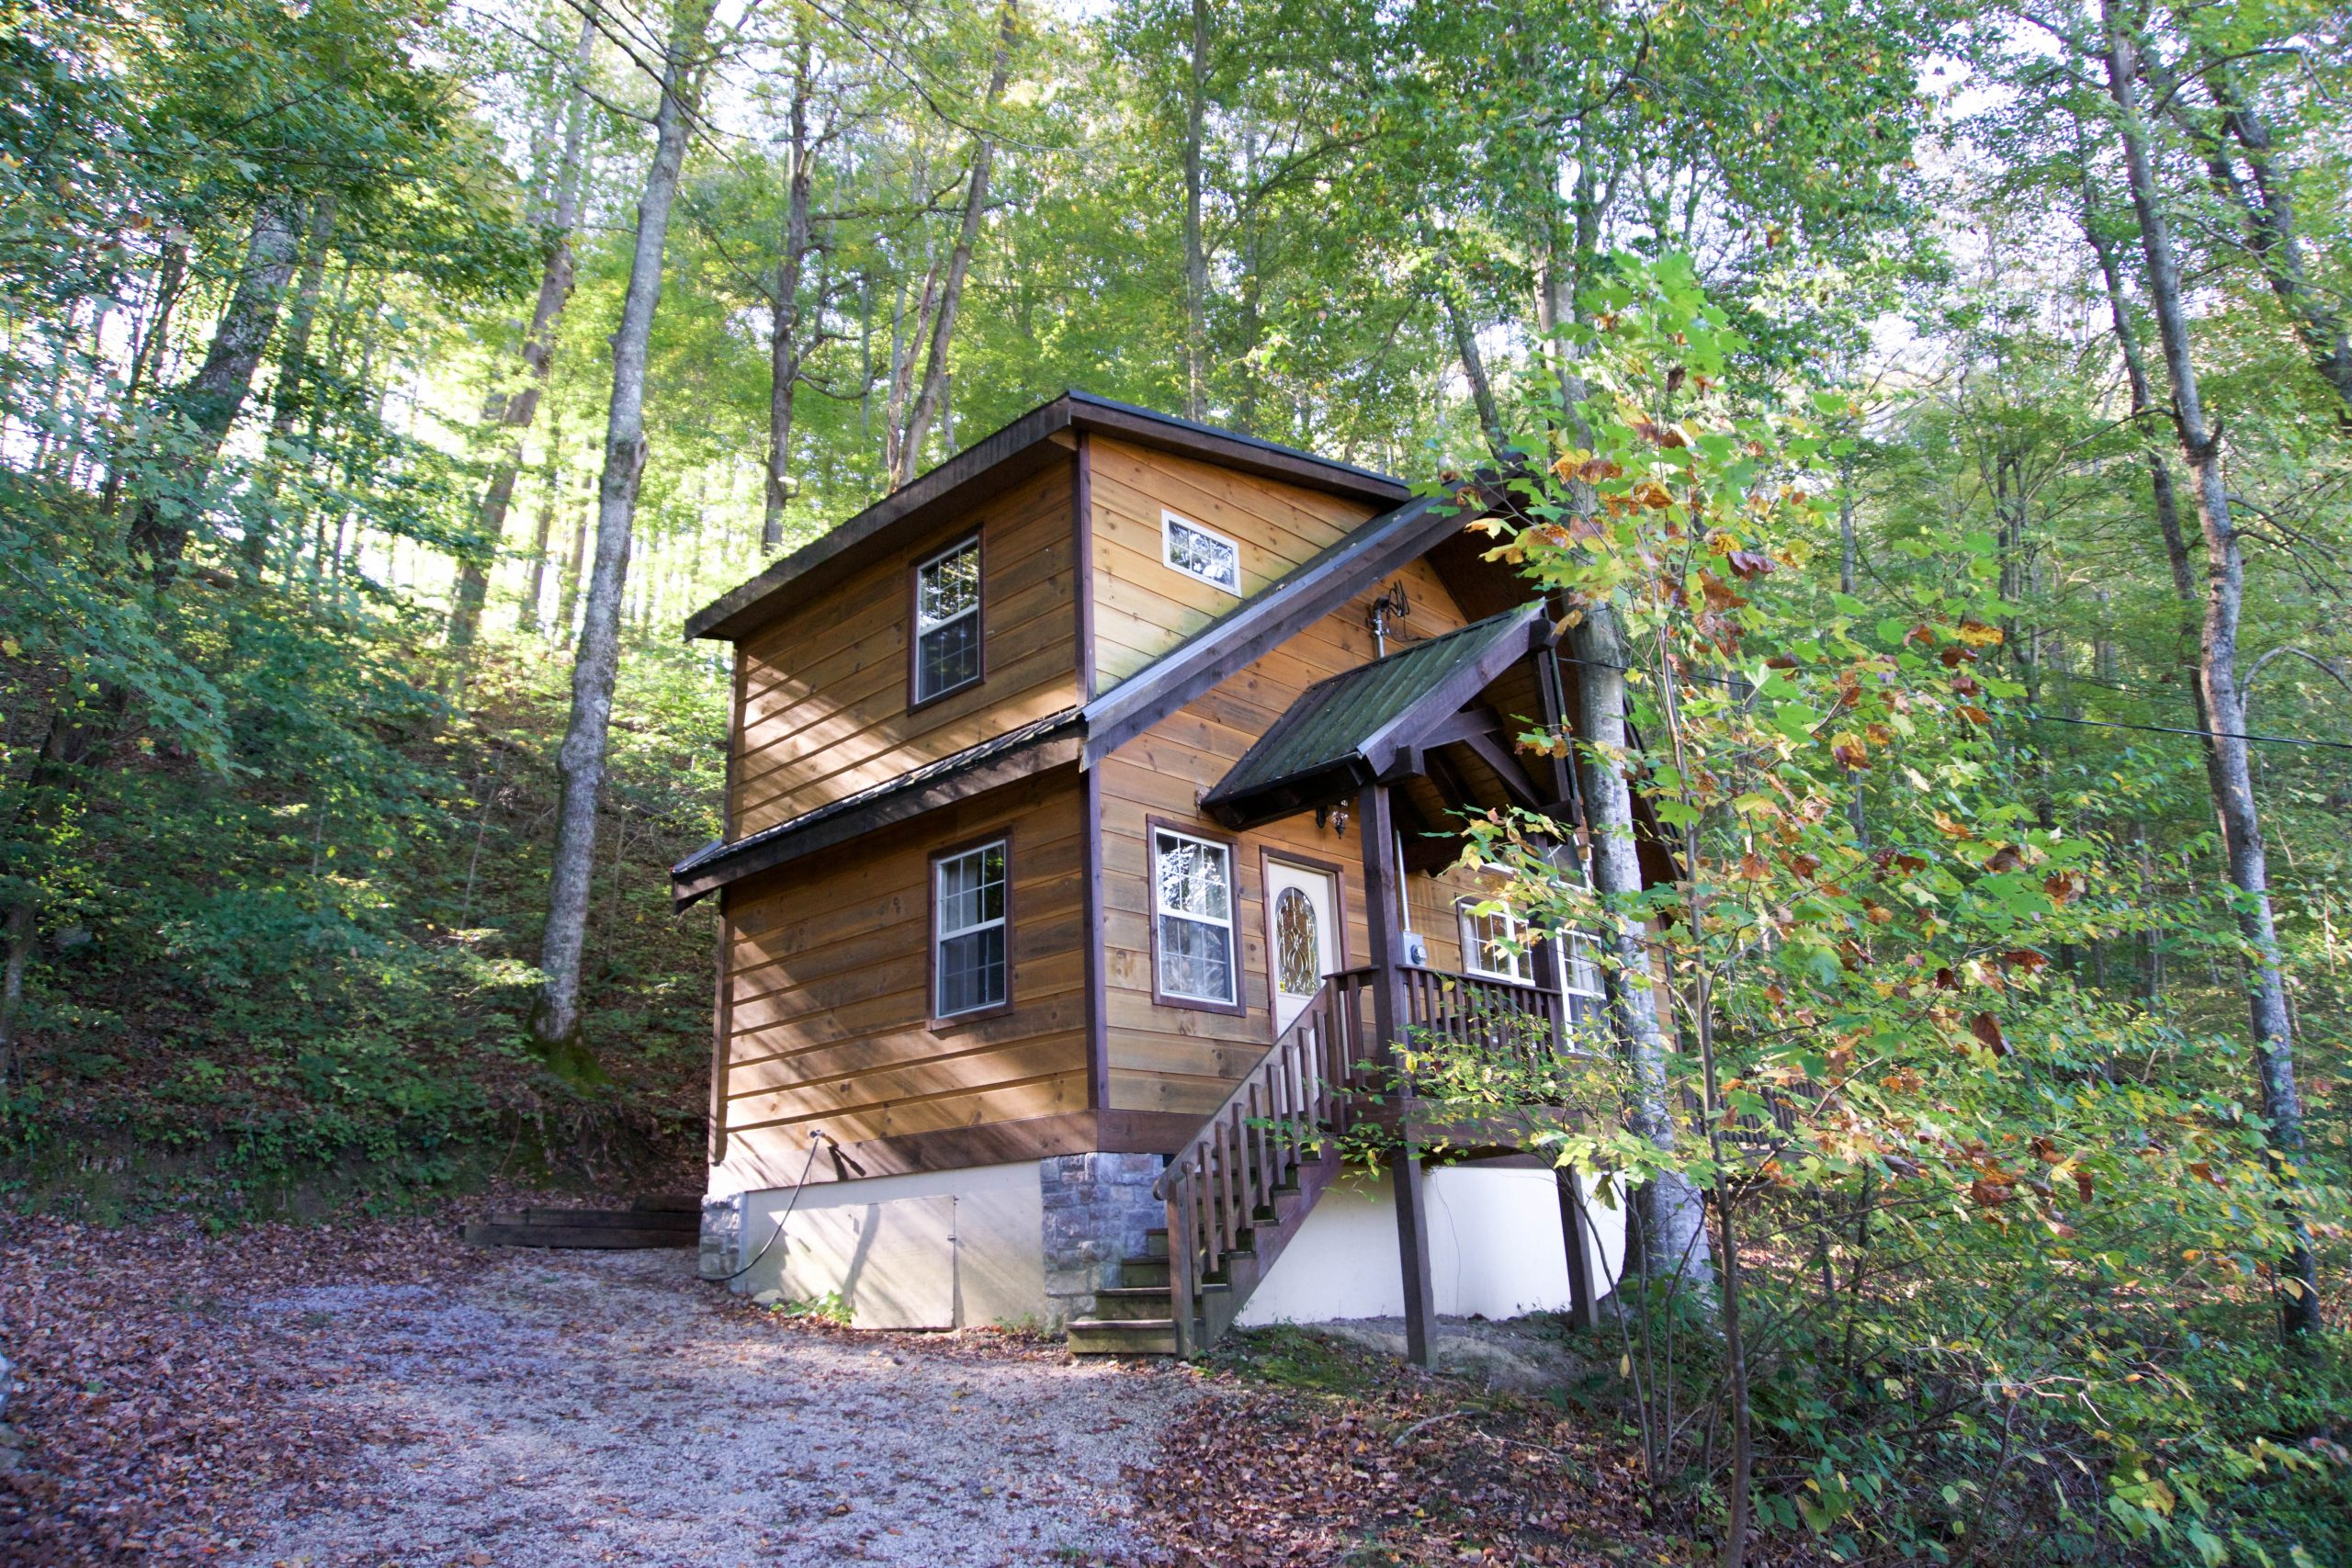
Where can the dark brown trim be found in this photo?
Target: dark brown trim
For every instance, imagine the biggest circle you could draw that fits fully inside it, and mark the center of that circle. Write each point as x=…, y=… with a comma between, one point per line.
x=884, y=809
x=1245, y=454
x=1256, y=626
x=722, y=1029
x=1098, y=1006
x=961, y=1148
x=1082, y=506
x=722, y=1010
x=1005, y=458
x=979, y=539
x=1146, y=1132
x=1153, y=827
x=1267, y=855
x=947, y=1023
x=1506, y=768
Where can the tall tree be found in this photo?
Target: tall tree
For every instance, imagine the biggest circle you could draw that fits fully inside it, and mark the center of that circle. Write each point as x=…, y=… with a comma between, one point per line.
x=932, y=392
x=2228, y=767
x=513, y=413
x=555, y=1019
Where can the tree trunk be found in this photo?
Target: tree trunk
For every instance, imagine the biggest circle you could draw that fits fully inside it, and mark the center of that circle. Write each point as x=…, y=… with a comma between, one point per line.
x=1482, y=391
x=2227, y=763
x=2278, y=246
x=515, y=412
x=294, y=375
x=1671, y=1216
x=205, y=408
x=550, y=500
x=960, y=264
x=555, y=1022
x=1667, y=1210
x=784, y=347
x=1197, y=258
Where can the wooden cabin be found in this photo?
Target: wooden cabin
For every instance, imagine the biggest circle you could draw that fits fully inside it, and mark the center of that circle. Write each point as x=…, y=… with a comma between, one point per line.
x=1092, y=801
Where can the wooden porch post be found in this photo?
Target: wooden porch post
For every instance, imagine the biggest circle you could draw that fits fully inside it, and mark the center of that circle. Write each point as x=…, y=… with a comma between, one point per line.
x=1384, y=903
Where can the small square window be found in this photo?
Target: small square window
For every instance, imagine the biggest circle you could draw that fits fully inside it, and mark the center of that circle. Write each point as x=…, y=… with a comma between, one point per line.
x=947, y=621
x=968, y=893
x=1197, y=552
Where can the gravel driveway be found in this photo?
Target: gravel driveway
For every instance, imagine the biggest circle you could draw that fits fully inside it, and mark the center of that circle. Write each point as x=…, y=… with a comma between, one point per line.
x=567, y=1408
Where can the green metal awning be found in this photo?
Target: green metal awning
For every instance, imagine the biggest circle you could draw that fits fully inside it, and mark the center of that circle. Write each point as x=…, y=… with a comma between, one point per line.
x=1347, y=730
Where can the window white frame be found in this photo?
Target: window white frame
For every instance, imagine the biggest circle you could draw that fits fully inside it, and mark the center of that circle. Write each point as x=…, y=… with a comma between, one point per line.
x=1229, y=580
x=927, y=625
x=942, y=930
x=1221, y=929
x=1479, y=936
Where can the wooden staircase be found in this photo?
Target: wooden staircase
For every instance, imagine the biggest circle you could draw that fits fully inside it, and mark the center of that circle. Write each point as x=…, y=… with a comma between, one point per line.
x=665, y=1221
x=1240, y=1190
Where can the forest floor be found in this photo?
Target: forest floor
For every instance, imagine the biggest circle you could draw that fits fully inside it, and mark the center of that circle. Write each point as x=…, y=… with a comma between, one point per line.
x=379, y=1395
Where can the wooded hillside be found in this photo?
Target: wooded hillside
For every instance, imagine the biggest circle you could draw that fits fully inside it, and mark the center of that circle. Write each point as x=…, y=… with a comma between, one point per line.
x=1966, y=391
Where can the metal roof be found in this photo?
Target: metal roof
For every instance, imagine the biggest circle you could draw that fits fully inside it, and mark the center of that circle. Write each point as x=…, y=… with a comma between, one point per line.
x=1338, y=736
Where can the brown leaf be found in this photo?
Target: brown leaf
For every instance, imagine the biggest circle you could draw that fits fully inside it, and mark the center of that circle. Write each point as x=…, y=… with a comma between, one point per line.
x=2009, y=857
x=2083, y=1183
x=2064, y=887
x=1805, y=865
x=1987, y=1030
x=1752, y=867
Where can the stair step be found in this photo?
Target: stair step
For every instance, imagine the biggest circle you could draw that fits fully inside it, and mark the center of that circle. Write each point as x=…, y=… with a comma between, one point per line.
x=639, y=1219
x=1155, y=1243
x=1128, y=1336
x=670, y=1204
x=494, y=1234
x=1144, y=1274
x=1131, y=1304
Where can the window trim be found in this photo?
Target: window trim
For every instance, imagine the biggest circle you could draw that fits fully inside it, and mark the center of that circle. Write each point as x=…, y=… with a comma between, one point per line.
x=937, y=1021
x=1465, y=933
x=980, y=611
x=1268, y=858
x=1153, y=828
x=1167, y=518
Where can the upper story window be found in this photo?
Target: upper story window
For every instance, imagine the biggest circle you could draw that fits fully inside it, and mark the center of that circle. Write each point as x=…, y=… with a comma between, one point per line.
x=1192, y=919
x=968, y=925
x=1493, y=944
x=947, y=621
x=1200, y=552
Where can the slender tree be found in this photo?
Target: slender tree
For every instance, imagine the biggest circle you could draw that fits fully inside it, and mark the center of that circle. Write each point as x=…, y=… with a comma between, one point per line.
x=2227, y=762
x=512, y=413
x=555, y=1019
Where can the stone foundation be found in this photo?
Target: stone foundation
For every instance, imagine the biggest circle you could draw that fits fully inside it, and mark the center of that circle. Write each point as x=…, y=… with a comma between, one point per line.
x=1097, y=1207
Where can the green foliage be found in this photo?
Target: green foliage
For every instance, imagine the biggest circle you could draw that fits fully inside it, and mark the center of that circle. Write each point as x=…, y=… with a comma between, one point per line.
x=2009, y=1234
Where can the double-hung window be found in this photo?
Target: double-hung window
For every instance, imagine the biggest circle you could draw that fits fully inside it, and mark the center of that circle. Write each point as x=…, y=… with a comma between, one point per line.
x=1192, y=919
x=947, y=621
x=1493, y=943
x=1200, y=552
x=968, y=894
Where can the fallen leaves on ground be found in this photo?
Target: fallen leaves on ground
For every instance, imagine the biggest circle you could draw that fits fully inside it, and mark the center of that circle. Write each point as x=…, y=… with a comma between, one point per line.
x=1405, y=1469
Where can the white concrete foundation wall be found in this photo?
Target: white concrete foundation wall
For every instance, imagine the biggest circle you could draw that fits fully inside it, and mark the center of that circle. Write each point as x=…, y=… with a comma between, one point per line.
x=1496, y=1249
x=934, y=1249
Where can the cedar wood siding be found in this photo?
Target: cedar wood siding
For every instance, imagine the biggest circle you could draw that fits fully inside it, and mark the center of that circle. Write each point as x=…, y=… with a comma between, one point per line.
x=1143, y=607
x=1178, y=1059
x=824, y=711
x=827, y=1000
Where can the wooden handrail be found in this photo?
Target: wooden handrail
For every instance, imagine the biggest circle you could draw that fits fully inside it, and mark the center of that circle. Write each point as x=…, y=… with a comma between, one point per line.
x=1249, y=1151
x=1250, y=1148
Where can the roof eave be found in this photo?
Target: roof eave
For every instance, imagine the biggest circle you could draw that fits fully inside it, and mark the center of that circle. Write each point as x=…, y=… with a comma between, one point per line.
x=745, y=606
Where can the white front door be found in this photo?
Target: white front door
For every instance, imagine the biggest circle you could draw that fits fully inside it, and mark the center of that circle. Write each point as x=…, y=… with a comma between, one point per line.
x=1302, y=934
